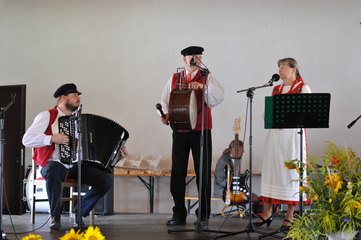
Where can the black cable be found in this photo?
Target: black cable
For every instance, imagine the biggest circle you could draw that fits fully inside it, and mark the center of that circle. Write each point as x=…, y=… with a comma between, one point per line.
x=36, y=229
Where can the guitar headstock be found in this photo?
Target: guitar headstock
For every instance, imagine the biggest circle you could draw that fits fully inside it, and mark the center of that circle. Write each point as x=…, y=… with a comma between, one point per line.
x=237, y=126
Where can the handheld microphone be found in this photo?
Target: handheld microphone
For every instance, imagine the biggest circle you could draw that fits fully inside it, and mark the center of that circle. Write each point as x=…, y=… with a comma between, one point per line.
x=158, y=106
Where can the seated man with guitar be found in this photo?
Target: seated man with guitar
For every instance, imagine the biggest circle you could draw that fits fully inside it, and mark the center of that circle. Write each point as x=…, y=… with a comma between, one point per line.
x=226, y=160
x=229, y=182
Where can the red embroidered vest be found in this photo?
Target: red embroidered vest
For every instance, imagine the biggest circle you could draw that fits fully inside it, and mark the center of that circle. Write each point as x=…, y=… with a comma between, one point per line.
x=207, y=110
x=297, y=90
x=43, y=154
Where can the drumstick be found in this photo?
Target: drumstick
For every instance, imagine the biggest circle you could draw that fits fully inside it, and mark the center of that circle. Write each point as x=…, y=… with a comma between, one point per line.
x=159, y=107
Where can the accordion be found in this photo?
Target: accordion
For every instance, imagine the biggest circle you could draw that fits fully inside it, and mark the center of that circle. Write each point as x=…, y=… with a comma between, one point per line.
x=99, y=142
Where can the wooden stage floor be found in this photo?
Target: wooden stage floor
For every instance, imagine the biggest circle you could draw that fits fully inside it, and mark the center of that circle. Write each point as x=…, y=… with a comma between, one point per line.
x=138, y=226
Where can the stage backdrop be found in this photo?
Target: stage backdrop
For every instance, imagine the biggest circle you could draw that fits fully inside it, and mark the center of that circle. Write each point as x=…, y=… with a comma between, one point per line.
x=121, y=53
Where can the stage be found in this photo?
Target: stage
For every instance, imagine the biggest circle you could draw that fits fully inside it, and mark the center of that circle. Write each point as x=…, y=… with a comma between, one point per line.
x=136, y=226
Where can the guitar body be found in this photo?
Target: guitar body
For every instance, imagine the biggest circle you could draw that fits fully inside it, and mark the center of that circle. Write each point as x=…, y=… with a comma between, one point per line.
x=238, y=192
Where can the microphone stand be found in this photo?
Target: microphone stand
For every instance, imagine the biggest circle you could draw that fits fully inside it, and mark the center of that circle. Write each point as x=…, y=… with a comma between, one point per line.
x=80, y=157
x=2, y=143
x=250, y=227
x=353, y=122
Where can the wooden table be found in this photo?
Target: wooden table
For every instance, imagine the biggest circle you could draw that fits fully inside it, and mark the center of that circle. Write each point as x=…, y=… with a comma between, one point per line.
x=141, y=174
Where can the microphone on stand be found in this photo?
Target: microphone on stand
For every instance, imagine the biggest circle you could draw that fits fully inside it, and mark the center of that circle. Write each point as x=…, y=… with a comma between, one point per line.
x=159, y=107
x=192, y=62
x=353, y=122
x=275, y=77
x=78, y=111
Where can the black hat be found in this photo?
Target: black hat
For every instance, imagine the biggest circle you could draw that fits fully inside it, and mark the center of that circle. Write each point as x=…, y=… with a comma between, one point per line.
x=66, y=89
x=192, y=50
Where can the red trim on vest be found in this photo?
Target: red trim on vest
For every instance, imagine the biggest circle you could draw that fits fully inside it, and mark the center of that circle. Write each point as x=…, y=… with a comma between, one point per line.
x=43, y=154
x=207, y=110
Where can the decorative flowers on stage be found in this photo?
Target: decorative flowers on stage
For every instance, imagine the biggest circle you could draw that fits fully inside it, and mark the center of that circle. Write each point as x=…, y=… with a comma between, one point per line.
x=333, y=184
x=32, y=237
x=72, y=235
x=92, y=233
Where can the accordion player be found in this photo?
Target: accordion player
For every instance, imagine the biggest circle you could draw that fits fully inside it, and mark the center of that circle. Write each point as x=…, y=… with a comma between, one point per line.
x=98, y=143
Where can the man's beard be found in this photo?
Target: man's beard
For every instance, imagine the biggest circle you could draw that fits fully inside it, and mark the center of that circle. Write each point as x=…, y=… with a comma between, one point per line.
x=71, y=107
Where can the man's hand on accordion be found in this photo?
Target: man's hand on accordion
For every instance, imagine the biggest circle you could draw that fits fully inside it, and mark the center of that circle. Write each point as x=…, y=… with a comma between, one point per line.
x=60, y=138
x=123, y=153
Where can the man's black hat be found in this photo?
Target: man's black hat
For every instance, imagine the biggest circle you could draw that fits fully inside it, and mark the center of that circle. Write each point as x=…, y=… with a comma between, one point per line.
x=66, y=89
x=192, y=50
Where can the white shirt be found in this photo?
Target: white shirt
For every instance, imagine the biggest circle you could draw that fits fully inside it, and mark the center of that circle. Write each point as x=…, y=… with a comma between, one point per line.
x=35, y=135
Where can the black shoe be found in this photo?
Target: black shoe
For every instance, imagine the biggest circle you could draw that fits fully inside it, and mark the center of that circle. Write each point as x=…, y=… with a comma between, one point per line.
x=76, y=222
x=176, y=222
x=55, y=223
x=268, y=221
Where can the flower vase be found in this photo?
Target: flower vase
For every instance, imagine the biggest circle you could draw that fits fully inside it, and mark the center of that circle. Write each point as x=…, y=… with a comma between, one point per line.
x=342, y=235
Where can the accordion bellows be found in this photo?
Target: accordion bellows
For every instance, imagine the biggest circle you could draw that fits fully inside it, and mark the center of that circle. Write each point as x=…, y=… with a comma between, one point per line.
x=99, y=143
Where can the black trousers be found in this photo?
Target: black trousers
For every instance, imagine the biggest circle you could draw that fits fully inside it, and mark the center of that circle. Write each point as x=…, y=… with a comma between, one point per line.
x=183, y=143
x=55, y=173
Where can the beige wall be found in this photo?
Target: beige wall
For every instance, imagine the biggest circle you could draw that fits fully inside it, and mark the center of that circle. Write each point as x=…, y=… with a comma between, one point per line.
x=121, y=53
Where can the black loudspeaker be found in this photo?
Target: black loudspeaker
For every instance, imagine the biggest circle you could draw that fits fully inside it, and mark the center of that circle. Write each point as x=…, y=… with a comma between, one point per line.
x=105, y=206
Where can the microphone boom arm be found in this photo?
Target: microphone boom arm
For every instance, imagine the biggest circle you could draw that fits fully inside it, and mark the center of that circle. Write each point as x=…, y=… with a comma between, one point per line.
x=269, y=84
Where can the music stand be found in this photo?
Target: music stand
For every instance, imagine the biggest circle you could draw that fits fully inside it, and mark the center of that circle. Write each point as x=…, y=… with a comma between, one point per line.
x=308, y=110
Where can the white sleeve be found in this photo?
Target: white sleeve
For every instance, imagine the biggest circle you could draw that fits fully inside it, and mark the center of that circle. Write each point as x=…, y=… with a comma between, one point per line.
x=214, y=92
x=165, y=96
x=35, y=136
x=306, y=89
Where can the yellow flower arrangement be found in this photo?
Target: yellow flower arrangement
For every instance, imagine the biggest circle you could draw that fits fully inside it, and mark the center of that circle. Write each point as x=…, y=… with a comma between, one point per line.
x=334, y=185
x=32, y=237
x=92, y=233
x=72, y=235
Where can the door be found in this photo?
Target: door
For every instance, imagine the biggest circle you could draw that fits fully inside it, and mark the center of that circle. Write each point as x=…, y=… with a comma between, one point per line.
x=13, y=159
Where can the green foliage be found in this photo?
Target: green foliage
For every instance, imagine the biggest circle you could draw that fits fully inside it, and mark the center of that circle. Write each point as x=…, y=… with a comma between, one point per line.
x=333, y=184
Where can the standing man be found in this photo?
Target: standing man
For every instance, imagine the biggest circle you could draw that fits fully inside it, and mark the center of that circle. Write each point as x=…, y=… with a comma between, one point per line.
x=43, y=135
x=183, y=141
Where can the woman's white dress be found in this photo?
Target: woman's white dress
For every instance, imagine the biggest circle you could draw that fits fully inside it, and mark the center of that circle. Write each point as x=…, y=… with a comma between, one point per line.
x=282, y=145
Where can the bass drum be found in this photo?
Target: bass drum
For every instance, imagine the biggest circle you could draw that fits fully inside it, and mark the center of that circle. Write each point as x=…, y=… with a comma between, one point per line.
x=183, y=110
x=40, y=191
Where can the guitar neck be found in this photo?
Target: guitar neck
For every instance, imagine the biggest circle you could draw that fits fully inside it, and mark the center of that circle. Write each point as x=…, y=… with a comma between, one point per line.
x=237, y=164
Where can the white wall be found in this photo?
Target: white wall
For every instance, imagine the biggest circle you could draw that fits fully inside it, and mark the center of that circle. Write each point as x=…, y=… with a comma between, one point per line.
x=121, y=53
